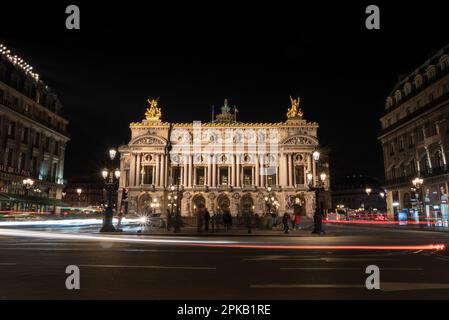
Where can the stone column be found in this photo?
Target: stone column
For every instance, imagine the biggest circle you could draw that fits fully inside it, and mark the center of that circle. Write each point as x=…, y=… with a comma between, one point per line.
x=138, y=176
x=443, y=155
x=237, y=167
x=163, y=171
x=190, y=170
x=185, y=172
x=158, y=175
x=214, y=172
x=233, y=171
x=289, y=171
x=132, y=170
x=257, y=173
x=429, y=162
x=209, y=171
x=253, y=175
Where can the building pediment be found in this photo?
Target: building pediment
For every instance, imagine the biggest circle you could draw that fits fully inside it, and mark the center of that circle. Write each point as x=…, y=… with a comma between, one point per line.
x=148, y=140
x=301, y=140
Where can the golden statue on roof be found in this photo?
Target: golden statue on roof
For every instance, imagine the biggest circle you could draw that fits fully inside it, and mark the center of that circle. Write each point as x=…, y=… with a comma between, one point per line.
x=153, y=113
x=294, y=111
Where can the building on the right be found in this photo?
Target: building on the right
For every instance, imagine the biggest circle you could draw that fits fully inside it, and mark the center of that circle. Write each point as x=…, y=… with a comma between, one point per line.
x=415, y=141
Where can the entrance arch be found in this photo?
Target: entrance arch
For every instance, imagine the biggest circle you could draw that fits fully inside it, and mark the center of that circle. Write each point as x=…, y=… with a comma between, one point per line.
x=198, y=201
x=299, y=205
x=246, y=204
x=143, y=204
x=223, y=202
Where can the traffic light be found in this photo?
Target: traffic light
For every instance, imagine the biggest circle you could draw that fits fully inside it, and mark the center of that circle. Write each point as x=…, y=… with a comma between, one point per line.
x=125, y=194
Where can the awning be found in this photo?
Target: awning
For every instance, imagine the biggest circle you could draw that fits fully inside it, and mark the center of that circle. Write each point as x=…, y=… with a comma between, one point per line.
x=7, y=197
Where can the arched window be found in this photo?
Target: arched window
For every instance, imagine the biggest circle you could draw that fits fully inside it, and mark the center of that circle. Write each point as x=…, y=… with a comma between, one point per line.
x=444, y=62
x=389, y=103
x=430, y=72
x=407, y=88
x=418, y=81
x=398, y=96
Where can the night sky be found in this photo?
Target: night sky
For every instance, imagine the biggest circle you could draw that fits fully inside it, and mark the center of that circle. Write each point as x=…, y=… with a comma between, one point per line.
x=193, y=56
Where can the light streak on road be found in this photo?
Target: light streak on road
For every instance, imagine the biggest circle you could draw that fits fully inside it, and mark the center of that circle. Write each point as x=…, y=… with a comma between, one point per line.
x=432, y=247
x=63, y=222
x=209, y=243
x=381, y=222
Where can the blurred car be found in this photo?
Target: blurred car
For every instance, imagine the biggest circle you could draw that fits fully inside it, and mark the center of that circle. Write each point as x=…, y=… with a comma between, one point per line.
x=92, y=210
x=155, y=220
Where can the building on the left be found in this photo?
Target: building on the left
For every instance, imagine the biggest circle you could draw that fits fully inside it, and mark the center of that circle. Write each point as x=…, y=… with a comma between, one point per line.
x=33, y=138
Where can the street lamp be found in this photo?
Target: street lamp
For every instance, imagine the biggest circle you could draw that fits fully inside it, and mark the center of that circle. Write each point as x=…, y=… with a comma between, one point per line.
x=27, y=184
x=319, y=187
x=111, y=176
x=417, y=183
x=368, y=191
x=174, y=198
x=79, y=191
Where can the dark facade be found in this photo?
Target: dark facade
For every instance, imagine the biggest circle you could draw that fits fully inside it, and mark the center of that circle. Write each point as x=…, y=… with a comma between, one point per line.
x=351, y=192
x=415, y=133
x=92, y=193
x=33, y=137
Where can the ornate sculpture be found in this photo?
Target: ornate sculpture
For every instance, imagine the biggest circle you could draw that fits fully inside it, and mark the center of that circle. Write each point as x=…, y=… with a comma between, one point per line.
x=294, y=111
x=153, y=113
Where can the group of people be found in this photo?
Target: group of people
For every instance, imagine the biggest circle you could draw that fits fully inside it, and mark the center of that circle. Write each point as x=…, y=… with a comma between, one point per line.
x=204, y=219
x=173, y=221
x=293, y=220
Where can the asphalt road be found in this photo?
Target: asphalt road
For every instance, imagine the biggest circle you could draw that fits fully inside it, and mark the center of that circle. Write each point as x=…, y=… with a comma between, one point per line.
x=127, y=267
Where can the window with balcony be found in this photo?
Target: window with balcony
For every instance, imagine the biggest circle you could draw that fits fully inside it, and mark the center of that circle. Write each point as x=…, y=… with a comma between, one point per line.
x=299, y=174
x=200, y=176
x=24, y=135
x=148, y=175
x=21, y=164
x=271, y=180
x=247, y=176
x=223, y=176
x=11, y=130
x=37, y=139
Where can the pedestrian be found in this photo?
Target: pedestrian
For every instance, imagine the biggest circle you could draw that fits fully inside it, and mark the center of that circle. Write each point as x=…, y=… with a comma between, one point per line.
x=206, y=219
x=286, y=222
x=273, y=220
x=169, y=220
x=318, y=221
x=227, y=220
x=297, y=221
x=200, y=218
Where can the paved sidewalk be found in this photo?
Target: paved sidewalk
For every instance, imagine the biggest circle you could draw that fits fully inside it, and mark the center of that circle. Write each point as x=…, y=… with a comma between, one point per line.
x=192, y=232
x=405, y=227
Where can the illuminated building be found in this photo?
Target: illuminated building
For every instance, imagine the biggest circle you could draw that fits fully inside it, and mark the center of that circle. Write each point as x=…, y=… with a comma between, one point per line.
x=415, y=134
x=224, y=164
x=33, y=136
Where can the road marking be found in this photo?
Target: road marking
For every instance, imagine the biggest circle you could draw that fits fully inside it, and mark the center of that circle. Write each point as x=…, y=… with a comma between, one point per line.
x=408, y=286
x=145, y=267
x=312, y=258
x=352, y=259
x=307, y=286
x=384, y=286
x=382, y=269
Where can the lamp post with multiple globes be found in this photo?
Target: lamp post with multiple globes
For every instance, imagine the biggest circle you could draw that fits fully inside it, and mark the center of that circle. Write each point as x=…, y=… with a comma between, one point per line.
x=417, y=184
x=317, y=187
x=111, y=177
x=79, y=191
